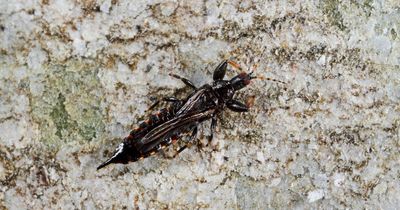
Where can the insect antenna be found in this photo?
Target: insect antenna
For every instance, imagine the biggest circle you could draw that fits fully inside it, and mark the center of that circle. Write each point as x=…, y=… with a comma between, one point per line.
x=270, y=79
x=267, y=78
x=254, y=67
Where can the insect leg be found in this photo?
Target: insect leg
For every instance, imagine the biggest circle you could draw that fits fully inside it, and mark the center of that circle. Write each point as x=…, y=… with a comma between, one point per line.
x=212, y=128
x=180, y=150
x=220, y=71
x=194, y=134
x=154, y=105
x=184, y=80
x=237, y=106
x=192, y=138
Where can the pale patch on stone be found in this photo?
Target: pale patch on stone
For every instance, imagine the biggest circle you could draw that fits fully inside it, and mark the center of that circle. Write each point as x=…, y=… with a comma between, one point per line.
x=296, y=168
x=315, y=195
x=380, y=188
x=2, y=171
x=275, y=182
x=13, y=133
x=218, y=158
x=260, y=157
x=322, y=60
x=36, y=58
x=338, y=179
x=105, y=6
x=168, y=7
x=14, y=200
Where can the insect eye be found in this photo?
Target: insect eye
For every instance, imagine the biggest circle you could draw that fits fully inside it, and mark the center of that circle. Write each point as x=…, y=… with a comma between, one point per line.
x=243, y=75
x=245, y=78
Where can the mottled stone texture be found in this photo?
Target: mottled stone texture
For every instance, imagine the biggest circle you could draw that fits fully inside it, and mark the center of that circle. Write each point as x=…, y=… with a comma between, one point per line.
x=75, y=75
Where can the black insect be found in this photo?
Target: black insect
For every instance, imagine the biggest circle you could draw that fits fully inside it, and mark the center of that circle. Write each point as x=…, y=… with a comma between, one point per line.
x=184, y=116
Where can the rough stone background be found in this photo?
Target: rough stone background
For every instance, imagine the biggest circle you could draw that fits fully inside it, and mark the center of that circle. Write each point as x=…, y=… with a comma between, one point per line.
x=76, y=75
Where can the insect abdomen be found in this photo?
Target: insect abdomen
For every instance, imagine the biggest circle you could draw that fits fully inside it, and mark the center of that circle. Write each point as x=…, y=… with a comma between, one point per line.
x=153, y=121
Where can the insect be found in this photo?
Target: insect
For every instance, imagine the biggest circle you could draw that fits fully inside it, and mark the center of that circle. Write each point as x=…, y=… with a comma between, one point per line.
x=183, y=116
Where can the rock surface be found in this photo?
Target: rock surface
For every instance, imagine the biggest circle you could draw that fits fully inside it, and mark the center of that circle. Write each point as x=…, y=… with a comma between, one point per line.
x=76, y=75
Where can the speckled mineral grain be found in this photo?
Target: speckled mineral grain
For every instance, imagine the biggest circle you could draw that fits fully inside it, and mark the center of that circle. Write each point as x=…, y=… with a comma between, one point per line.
x=76, y=75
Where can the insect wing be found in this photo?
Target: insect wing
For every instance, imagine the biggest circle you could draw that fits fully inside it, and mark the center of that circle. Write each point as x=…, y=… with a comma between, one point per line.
x=192, y=101
x=158, y=134
x=171, y=126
